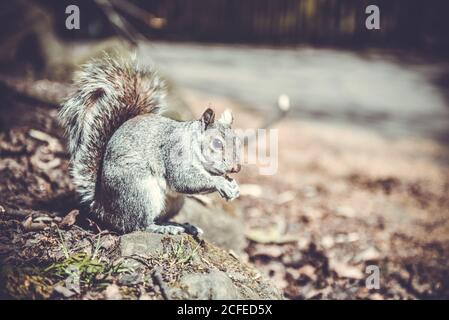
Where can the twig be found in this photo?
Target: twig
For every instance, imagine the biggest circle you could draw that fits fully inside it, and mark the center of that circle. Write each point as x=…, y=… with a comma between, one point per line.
x=139, y=258
x=15, y=213
x=121, y=26
x=135, y=11
x=43, y=90
x=94, y=224
x=157, y=279
x=281, y=110
x=21, y=213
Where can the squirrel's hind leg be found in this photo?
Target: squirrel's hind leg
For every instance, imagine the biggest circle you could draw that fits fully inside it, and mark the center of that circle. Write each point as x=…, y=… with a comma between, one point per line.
x=165, y=229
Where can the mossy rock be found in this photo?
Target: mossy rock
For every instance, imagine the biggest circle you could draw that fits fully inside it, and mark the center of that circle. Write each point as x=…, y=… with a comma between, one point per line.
x=195, y=269
x=81, y=264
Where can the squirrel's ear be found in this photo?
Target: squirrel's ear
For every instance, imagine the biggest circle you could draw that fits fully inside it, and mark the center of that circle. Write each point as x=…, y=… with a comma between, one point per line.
x=226, y=118
x=208, y=117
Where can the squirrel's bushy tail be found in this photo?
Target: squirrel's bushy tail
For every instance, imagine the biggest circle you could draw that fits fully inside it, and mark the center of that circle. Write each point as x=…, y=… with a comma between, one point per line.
x=109, y=92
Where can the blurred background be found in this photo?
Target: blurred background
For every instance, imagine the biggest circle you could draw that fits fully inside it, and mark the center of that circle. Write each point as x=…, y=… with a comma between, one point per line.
x=320, y=53
x=362, y=165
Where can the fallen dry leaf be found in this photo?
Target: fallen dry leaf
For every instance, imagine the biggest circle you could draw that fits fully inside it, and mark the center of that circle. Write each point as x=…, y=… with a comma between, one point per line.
x=53, y=144
x=69, y=219
x=345, y=270
x=269, y=235
x=273, y=251
x=286, y=197
x=309, y=271
x=29, y=225
x=368, y=254
x=253, y=190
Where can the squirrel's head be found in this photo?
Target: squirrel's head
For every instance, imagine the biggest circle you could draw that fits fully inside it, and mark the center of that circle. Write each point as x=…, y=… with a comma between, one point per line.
x=220, y=146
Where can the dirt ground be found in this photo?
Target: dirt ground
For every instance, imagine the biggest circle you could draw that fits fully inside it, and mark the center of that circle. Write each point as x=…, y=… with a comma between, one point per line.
x=342, y=200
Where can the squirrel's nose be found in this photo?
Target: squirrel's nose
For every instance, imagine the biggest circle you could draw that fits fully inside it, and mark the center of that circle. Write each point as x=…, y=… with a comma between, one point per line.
x=236, y=168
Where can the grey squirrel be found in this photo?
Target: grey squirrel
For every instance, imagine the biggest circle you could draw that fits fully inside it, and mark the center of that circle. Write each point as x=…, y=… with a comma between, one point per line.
x=126, y=156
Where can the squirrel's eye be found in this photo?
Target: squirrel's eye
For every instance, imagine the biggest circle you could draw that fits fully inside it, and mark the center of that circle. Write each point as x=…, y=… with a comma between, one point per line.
x=217, y=144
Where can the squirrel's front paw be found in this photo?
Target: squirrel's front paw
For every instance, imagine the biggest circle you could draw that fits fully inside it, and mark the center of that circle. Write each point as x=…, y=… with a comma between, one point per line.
x=228, y=189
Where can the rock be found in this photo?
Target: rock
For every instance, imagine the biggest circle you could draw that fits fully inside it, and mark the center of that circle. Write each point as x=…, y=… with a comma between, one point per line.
x=220, y=226
x=193, y=269
x=144, y=244
x=213, y=285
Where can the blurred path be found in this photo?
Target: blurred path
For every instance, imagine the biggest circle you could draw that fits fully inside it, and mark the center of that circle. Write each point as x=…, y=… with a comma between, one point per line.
x=326, y=85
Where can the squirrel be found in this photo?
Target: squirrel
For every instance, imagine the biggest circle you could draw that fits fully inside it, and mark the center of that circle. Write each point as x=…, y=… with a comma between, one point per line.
x=126, y=156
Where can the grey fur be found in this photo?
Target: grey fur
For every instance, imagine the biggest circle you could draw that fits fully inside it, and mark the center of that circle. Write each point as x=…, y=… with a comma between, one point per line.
x=125, y=156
